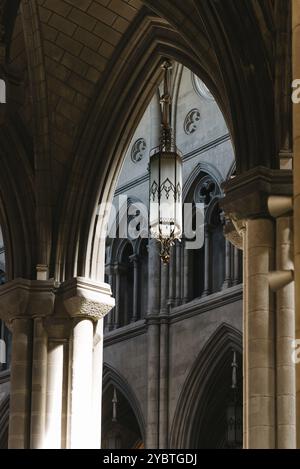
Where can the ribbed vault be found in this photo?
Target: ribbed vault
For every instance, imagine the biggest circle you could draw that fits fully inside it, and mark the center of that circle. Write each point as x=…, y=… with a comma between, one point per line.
x=90, y=70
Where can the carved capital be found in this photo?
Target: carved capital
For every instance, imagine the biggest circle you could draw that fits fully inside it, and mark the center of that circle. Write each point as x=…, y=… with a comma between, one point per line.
x=20, y=299
x=84, y=298
x=233, y=232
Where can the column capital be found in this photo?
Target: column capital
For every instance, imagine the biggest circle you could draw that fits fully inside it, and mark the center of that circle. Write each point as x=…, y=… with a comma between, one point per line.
x=246, y=196
x=233, y=231
x=85, y=298
x=21, y=299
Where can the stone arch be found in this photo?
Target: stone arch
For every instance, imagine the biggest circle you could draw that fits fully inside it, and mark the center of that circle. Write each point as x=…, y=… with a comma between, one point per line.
x=17, y=203
x=138, y=86
x=112, y=377
x=196, y=389
x=209, y=39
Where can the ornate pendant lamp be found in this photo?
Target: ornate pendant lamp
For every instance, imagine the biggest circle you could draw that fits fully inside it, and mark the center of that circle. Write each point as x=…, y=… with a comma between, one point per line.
x=166, y=180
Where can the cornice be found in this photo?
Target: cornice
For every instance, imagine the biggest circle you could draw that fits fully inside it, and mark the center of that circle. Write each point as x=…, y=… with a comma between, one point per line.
x=246, y=196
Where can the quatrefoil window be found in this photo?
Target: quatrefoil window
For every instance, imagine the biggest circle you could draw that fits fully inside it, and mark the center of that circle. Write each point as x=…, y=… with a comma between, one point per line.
x=138, y=150
x=192, y=121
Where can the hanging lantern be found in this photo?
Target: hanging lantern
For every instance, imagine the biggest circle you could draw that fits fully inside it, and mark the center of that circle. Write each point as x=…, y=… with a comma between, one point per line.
x=166, y=180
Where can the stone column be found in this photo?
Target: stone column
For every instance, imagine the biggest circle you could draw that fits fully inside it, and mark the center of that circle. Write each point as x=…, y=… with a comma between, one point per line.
x=246, y=202
x=39, y=384
x=118, y=293
x=24, y=305
x=40, y=404
x=97, y=383
x=207, y=280
x=135, y=260
x=178, y=273
x=19, y=414
x=260, y=340
x=153, y=345
x=54, y=405
x=164, y=359
x=296, y=150
x=227, y=280
x=81, y=382
x=186, y=275
x=164, y=384
x=110, y=317
x=236, y=266
x=285, y=326
x=86, y=302
x=154, y=263
x=172, y=276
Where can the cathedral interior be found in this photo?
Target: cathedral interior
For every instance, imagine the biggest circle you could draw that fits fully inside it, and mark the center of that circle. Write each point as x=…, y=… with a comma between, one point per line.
x=109, y=108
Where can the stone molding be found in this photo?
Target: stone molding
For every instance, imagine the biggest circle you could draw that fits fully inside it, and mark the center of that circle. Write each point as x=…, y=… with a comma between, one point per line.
x=21, y=299
x=246, y=195
x=86, y=299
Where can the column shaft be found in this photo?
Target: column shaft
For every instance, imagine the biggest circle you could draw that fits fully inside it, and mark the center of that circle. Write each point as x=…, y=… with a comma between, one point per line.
x=20, y=382
x=296, y=163
x=97, y=384
x=178, y=272
x=172, y=276
x=207, y=279
x=186, y=272
x=153, y=344
x=163, y=385
x=110, y=316
x=118, y=293
x=236, y=266
x=39, y=385
x=152, y=428
x=154, y=278
x=55, y=367
x=245, y=340
x=259, y=334
x=135, y=289
x=81, y=385
x=164, y=288
x=227, y=280
x=285, y=329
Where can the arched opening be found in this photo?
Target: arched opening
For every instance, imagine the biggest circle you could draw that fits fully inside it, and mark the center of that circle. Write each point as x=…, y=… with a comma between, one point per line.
x=209, y=411
x=68, y=235
x=122, y=424
x=119, y=430
x=218, y=417
x=193, y=276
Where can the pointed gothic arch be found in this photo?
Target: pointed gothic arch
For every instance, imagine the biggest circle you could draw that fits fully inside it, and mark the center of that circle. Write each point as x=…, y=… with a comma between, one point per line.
x=111, y=377
x=201, y=381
